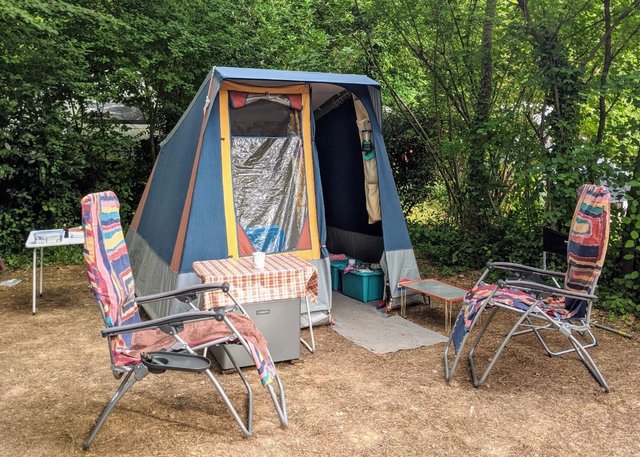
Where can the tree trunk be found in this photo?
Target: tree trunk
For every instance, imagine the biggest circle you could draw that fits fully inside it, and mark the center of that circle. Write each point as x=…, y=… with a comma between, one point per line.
x=152, y=137
x=478, y=185
x=602, y=109
x=486, y=64
x=563, y=86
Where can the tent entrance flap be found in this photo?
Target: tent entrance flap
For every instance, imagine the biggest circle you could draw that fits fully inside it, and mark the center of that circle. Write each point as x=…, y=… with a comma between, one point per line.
x=268, y=191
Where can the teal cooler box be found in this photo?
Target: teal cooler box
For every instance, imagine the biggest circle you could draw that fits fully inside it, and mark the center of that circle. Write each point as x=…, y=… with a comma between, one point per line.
x=337, y=266
x=363, y=285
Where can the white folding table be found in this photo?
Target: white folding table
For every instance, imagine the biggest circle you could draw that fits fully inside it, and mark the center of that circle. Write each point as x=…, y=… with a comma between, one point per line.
x=40, y=239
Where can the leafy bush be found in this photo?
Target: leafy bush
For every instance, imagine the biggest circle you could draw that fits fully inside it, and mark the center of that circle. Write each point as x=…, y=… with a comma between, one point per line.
x=411, y=164
x=48, y=166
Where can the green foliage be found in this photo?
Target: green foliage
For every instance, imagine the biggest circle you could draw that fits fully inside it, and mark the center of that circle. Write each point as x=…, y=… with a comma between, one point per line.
x=442, y=242
x=411, y=163
x=514, y=135
x=52, y=150
x=500, y=111
x=61, y=60
x=618, y=299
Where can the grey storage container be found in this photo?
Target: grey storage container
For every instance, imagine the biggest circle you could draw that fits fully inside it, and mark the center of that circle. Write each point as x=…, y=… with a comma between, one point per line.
x=279, y=322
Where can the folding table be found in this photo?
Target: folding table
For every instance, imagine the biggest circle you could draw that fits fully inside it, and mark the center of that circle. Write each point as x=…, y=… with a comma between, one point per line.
x=433, y=288
x=40, y=239
x=284, y=276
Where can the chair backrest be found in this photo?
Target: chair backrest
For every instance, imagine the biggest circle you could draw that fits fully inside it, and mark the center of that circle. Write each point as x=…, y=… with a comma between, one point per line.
x=107, y=262
x=588, y=238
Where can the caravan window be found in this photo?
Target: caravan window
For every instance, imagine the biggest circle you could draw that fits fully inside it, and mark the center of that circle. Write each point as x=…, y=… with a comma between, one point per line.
x=268, y=173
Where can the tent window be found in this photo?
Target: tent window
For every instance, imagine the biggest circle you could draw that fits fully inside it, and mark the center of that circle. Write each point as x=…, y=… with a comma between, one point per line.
x=268, y=170
x=264, y=118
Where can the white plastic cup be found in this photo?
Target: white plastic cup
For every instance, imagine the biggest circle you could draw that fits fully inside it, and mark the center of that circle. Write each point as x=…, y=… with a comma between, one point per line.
x=258, y=260
x=352, y=261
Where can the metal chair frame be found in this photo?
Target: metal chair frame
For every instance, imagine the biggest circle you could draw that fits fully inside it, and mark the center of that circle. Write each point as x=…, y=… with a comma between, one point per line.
x=525, y=325
x=172, y=325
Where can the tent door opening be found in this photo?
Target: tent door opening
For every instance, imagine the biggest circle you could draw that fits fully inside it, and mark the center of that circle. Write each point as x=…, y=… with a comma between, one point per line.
x=346, y=180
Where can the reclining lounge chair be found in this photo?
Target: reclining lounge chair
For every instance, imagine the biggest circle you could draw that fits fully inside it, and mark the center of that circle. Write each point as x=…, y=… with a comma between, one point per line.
x=566, y=310
x=169, y=343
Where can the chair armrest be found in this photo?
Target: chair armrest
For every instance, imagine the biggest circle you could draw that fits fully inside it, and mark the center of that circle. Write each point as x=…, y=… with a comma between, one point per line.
x=529, y=285
x=523, y=268
x=167, y=320
x=196, y=289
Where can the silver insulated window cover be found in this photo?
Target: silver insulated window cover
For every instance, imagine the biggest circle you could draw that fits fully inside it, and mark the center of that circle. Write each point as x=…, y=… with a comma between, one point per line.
x=267, y=166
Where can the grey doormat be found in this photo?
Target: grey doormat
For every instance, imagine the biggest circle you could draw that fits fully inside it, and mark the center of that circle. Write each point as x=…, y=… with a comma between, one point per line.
x=375, y=330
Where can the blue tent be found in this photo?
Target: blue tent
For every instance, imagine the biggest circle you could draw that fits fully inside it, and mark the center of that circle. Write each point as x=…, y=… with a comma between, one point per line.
x=274, y=161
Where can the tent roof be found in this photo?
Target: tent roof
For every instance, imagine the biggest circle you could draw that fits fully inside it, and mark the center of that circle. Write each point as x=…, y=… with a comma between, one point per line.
x=325, y=85
x=256, y=74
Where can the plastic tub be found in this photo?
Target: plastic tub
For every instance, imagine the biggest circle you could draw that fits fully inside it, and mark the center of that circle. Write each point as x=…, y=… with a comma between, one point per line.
x=363, y=285
x=337, y=266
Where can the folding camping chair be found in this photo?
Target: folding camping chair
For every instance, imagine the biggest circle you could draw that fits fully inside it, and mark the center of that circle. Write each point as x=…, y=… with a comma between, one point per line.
x=168, y=343
x=566, y=310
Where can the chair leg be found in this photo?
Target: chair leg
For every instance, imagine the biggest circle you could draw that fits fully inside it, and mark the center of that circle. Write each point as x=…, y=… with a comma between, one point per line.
x=478, y=382
x=311, y=348
x=247, y=387
x=280, y=405
x=448, y=372
x=580, y=349
x=245, y=427
x=476, y=341
x=541, y=340
x=278, y=398
x=552, y=353
x=279, y=402
x=589, y=362
x=139, y=372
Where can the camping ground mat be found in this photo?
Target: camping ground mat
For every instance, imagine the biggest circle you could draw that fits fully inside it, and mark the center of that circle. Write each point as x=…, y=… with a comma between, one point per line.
x=374, y=330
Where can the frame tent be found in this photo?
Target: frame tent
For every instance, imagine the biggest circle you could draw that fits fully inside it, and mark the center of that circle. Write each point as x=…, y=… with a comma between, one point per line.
x=271, y=160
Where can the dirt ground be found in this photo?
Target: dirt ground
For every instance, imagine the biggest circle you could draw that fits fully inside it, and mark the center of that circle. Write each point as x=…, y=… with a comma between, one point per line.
x=343, y=400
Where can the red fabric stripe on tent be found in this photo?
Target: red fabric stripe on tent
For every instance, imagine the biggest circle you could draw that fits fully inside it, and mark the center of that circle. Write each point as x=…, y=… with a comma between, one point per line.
x=305, y=237
x=176, y=259
x=244, y=245
x=238, y=99
x=296, y=101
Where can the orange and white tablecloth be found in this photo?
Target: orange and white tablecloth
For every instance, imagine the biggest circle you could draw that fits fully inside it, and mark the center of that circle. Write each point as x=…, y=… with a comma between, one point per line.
x=284, y=276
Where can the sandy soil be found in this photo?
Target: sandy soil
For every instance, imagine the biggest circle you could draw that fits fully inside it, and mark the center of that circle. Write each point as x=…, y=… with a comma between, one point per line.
x=343, y=400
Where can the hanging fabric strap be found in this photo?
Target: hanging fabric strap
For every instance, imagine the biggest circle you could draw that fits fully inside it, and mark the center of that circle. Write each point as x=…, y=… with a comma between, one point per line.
x=370, y=165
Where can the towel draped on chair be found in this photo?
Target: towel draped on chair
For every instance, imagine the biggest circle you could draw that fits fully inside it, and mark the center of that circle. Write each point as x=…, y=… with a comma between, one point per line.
x=111, y=279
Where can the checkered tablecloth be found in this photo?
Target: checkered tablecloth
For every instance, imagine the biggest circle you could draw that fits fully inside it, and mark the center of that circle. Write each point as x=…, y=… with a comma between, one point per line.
x=284, y=276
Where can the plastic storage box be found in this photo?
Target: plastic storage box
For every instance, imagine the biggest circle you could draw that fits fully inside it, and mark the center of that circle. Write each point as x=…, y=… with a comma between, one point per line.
x=336, y=273
x=363, y=285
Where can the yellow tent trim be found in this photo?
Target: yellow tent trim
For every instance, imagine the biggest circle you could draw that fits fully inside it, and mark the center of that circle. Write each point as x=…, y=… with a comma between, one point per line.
x=227, y=182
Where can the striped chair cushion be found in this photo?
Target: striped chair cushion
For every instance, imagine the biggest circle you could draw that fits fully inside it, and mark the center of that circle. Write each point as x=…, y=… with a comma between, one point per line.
x=588, y=238
x=588, y=241
x=107, y=263
x=109, y=273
